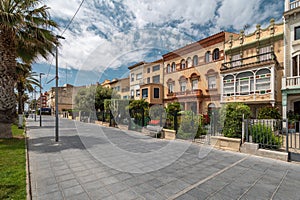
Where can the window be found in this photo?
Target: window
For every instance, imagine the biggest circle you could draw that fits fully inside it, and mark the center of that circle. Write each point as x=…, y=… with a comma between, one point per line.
x=216, y=54
x=117, y=88
x=148, y=80
x=244, y=83
x=168, y=68
x=182, y=64
x=155, y=68
x=297, y=33
x=137, y=93
x=145, y=93
x=263, y=81
x=155, y=79
x=189, y=62
x=195, y=84
x=173, y=67
x=132, y=77
x=211, y=82
x=296, y=65
x=228, y=85
x=195, y=60
x=207, y=57
x=170, y=88
x=265, y=51
x=132, y=93
x=236, y=60
x=182, y=86
x=139, y=76
x=156, y=93
x=148, y=70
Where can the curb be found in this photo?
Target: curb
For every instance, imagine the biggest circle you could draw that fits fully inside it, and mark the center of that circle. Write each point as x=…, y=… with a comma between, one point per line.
x=28, y=179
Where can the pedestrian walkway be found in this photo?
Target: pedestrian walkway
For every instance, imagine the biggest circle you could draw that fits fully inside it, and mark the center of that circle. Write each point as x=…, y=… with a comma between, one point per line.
x=94, y=162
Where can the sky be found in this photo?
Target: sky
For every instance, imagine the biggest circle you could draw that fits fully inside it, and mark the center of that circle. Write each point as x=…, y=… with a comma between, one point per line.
x=107, y=36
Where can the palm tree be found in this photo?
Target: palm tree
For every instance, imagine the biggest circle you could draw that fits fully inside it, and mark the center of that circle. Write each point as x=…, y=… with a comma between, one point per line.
x=25, y=34
x=25, y=80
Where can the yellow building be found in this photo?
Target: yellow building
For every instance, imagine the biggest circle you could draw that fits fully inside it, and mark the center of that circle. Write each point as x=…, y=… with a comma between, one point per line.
x=121, y=86
x=152, y=85
x=253, y=66
x=191, y=74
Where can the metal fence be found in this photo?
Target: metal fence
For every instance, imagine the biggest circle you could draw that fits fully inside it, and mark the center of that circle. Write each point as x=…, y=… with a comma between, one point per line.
x=268, y=133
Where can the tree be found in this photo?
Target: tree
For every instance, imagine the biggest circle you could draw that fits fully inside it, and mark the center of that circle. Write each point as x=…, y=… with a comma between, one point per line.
x=232, y=117
x=25, y=33
x=268, y=112
x=85, y=99
x=103, y=93
x=25, y=80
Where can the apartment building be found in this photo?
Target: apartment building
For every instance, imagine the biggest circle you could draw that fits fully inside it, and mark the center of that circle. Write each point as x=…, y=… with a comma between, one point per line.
x=291, y=79
x=66, y=95
x=192, y=74
x=152, y=85
x=136, y=79
x=121, y=86
x=253, y=68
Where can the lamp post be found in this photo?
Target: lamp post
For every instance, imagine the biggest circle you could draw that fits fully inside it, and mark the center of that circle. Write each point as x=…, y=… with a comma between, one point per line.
x=35, y=103
x=41, y=98
x=56, y=88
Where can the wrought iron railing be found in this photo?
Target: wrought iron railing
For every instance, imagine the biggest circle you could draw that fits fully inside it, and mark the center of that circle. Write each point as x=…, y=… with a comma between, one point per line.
x=259, y=58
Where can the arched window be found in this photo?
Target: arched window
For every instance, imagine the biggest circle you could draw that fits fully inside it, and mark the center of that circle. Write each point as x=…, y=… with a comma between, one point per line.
x=171, y=85
x=211, y=79
x=168, y=68
x=182, y=64
x=195, y=60
x=182, y=83
x=263, y=81
x=245, y=83
x=207, y=57
x=189, y=62
x=216, y=54
x=228, y=85
x=173, y=67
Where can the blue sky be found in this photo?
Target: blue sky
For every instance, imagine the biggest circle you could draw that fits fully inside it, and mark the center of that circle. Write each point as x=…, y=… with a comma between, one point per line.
x=107, y=36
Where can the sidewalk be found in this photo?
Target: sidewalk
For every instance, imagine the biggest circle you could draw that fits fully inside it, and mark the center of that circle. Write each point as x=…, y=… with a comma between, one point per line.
x=93, y=162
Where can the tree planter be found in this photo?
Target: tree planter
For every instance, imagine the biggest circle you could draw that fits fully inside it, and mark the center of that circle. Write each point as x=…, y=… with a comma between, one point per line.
x=169, y=134
x=232, y=144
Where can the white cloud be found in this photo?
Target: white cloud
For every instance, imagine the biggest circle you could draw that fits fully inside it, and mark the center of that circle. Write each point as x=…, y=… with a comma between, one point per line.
x=107, y=33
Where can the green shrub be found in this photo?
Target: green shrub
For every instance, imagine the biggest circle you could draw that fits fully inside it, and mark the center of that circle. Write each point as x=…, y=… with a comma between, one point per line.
x=232, y=117
x=191, y=126
x=268, y=113
x=264, y=136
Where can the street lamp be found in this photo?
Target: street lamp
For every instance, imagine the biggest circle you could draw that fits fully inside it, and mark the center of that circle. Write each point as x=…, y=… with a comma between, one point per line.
x=41, y=98
x=35, y=103
x=56, y=88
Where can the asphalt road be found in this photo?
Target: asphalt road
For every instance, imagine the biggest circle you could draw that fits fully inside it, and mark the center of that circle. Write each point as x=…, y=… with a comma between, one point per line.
x=94, y=162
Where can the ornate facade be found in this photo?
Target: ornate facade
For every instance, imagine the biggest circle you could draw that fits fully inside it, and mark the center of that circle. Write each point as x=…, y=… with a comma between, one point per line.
x=253, y=66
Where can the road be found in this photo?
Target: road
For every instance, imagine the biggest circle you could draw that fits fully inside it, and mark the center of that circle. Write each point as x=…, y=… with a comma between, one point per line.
x=94, y=162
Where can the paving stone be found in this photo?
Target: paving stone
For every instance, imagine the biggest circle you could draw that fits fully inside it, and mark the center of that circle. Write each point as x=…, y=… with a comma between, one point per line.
x=126, y=195
x=73, y=191
x=116, y=187
x=68, y=183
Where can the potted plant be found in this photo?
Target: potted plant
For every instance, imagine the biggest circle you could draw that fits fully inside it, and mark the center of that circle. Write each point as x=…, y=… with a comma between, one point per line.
x=292, y=119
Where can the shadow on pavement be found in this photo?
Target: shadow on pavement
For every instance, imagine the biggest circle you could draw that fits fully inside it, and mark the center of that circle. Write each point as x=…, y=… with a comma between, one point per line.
x=48, y=144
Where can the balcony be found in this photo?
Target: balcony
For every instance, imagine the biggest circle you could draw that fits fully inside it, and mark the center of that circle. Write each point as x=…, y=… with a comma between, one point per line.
x=259, y=59
x=187, y=93
x=291, y=82
x=294, y=4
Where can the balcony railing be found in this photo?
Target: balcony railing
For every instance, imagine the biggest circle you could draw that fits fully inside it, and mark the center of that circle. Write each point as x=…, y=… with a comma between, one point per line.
x=196, y=92
x=251, y=60
x=294, y=4
x=290, y=82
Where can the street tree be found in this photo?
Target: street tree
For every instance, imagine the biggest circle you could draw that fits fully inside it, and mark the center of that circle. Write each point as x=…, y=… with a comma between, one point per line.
x=25, y=27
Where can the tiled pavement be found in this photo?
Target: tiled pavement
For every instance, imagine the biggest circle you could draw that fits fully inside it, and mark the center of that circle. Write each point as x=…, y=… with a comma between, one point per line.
x=93, y=162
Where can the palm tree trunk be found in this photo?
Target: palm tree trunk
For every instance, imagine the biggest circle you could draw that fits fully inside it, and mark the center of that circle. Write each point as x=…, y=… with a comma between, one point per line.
x=20, y=98
x=7, y=81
